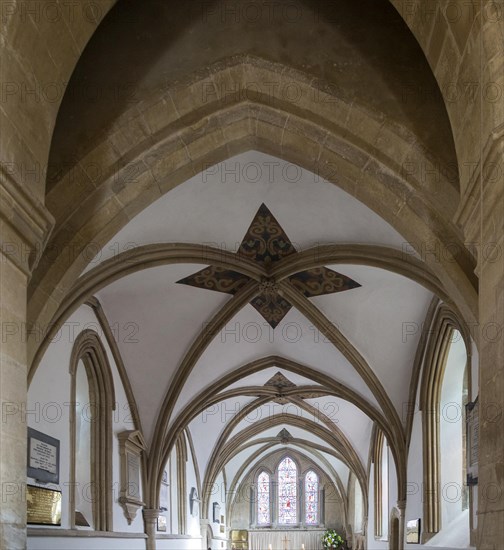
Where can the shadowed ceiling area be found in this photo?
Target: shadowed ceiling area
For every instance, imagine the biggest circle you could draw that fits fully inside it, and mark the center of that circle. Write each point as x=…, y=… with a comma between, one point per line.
x=362, y=51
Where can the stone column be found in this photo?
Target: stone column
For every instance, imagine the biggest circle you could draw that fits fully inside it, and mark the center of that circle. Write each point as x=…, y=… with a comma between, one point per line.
x=491, y=374
x=204, y=533
x=24, y=227
x=401, y=506
x=150, y=523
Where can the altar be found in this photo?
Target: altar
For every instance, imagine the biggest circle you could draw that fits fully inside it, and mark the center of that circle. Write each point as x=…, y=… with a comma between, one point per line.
x=298, y=539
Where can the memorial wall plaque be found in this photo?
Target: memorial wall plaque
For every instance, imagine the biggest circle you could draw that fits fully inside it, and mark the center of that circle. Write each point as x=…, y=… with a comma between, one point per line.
x=216, y=512
x=43, y=457
x=162, y=524
x=164, y=493
x=43, y=506
x=133, y=475
x=131, y=446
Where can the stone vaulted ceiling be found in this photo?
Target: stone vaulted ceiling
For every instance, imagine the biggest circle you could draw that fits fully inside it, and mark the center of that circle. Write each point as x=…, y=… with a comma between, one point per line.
x=295, y=210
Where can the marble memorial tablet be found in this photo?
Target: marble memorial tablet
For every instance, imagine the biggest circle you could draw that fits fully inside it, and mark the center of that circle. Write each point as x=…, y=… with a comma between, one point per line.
x=43, y=457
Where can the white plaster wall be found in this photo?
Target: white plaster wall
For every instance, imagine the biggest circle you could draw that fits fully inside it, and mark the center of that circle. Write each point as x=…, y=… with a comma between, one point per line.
x=193, y=521
x=392, y=503
x=86, y=543
x=414, y=490
x=175, y=542
x=372, y=542
x=49, y=412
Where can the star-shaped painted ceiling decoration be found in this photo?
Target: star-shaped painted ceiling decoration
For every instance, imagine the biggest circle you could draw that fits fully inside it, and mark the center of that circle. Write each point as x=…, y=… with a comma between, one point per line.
x=266, y=243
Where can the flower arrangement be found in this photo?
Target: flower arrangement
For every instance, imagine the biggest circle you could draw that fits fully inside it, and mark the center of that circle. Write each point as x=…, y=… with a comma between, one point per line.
x=331, y=539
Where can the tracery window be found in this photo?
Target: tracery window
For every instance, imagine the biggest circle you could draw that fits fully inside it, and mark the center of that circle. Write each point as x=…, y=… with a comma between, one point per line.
x=311, y=498
x=263, y=499
x=287, y=492
x=287, y=498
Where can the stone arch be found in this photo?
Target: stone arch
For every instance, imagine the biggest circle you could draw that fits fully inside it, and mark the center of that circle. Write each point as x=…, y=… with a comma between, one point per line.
x=330, y=387
x=75, y=28
x=145, y=257
x=284, y=131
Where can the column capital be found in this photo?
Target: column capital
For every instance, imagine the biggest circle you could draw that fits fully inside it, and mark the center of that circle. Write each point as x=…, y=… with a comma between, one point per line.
x=151, y=514
x=401, y=505
x=26, y=224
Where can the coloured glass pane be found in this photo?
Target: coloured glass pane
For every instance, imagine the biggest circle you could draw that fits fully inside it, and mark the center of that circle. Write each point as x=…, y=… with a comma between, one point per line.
x=263, y=499
x=287, y=492
x=311, y=498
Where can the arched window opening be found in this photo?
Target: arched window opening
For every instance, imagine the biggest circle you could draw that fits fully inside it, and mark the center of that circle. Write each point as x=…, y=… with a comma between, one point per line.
x=451, y=431
x=358, y=507
x=83, y=473
x=91, y=435
x=287, y=492
x=263, y=499
x=286, y=498
x=444, y=394
x=311, y=498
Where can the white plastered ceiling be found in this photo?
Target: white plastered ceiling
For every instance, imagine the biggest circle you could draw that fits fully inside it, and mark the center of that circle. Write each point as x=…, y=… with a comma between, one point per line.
x=216, y=208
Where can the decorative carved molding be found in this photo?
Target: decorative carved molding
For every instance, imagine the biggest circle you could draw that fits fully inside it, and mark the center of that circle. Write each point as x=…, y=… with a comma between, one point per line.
x=285, y=437
x=279, y=381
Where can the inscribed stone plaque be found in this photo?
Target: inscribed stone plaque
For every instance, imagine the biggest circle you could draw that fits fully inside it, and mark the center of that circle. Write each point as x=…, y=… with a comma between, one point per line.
x=43, y=506
x=161, y=524
x=133, y=476
x=43, y=457
x=164, y=492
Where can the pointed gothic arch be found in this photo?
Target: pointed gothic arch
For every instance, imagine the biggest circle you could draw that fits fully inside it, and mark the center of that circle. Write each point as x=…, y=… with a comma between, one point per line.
x=89, y=352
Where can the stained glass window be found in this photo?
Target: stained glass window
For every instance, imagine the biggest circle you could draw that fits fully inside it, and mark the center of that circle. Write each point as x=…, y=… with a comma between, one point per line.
x=263, y=499
x=287, y=492
x=311, y=498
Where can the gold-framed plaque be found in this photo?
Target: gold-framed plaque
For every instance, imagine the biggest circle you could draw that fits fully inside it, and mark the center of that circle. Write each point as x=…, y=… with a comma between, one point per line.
x=43, y=506
x=239, y=539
